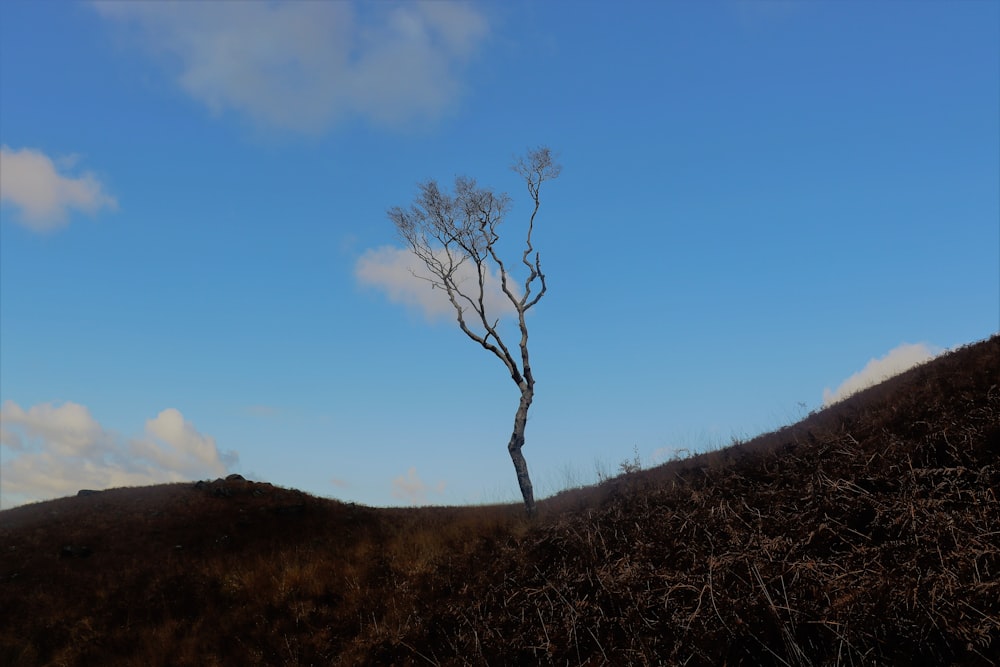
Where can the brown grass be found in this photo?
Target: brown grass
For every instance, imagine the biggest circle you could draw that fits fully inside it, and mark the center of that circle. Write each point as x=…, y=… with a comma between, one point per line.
x=868, y=533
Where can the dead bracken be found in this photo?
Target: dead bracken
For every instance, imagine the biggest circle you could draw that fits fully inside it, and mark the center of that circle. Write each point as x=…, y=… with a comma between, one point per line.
x=868, y=533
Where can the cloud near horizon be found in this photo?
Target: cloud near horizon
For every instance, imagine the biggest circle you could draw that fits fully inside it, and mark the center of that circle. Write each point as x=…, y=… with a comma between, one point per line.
x=392, y=270
x=304, y=66
x=411, y=488
x=51, y=451
x=32, y=182
x=896, y=361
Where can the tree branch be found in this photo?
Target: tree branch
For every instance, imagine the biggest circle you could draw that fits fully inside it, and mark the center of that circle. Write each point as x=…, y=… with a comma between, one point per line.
x=445, y=231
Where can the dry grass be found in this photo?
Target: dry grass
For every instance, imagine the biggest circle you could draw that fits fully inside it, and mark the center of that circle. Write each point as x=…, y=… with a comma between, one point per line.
x=868, y=533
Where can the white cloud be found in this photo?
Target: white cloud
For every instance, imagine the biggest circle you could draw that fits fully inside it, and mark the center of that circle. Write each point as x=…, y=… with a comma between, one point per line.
x=896, y=361
x=392, y=271
x=304, y=66
x=411, y=488
x=172, y=443
x=32, y=182
x=51, y=451
x=67, y=429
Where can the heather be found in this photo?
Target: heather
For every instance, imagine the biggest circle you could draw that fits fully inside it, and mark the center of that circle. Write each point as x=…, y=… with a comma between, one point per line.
x=867, y=533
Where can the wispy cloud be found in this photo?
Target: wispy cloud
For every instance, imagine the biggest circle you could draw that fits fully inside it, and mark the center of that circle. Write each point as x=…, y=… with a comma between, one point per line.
x=401, y=276
x=52, y=450
x=304, y=66
x=43, y=193
x=411, y=488
x=896, y=361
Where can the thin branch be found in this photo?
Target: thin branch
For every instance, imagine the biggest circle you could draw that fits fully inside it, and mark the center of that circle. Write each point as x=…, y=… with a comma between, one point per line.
x=444, y=231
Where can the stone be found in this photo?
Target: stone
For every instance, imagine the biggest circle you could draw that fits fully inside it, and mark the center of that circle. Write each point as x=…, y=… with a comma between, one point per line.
x=221, y=492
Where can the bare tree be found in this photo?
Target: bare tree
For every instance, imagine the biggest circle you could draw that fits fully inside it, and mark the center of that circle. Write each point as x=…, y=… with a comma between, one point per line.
x=447, y=231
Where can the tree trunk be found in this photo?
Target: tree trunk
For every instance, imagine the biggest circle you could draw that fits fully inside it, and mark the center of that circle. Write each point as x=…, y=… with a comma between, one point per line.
x=514, y=447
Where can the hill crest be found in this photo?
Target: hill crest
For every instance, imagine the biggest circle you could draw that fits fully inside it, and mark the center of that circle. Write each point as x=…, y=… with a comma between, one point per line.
x=867, y=533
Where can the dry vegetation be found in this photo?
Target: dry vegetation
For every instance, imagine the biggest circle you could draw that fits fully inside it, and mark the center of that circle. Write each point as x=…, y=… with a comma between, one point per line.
x=869, y=533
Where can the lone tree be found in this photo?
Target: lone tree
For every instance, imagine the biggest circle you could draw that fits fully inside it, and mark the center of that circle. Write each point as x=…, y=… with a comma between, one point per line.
x=449, y=231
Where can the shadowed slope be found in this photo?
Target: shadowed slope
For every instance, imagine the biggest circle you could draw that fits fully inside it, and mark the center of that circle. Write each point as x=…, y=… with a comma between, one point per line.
x=869, y=533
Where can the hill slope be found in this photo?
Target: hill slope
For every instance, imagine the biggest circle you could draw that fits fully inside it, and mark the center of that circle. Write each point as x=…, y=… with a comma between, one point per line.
x=869, y=533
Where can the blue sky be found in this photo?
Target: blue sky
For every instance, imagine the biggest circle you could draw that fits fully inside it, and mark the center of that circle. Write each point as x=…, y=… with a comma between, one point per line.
x=760, y=202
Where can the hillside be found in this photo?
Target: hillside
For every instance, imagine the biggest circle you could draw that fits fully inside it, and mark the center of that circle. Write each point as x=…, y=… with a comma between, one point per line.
x=867, y=534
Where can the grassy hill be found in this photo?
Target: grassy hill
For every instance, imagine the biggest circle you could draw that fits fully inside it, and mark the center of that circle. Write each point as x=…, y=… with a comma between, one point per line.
x=868, y=533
